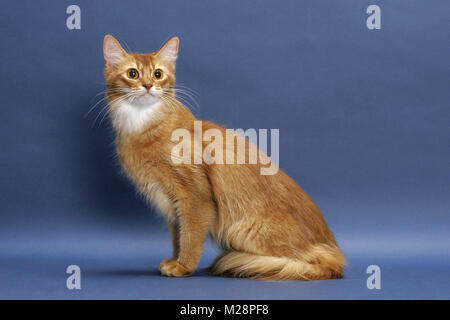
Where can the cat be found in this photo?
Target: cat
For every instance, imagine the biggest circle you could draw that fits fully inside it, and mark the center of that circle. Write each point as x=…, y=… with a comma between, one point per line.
x=267, y=226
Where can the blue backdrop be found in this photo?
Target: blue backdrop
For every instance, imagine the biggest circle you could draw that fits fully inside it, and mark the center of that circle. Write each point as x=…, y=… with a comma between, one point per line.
x=364, y=127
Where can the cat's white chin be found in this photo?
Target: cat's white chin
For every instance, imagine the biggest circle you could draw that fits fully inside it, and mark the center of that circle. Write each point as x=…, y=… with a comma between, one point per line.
x=133, y=116
x=145, y=99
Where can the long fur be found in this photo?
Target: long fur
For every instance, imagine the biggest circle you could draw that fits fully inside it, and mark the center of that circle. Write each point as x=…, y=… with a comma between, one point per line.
x=321, y=262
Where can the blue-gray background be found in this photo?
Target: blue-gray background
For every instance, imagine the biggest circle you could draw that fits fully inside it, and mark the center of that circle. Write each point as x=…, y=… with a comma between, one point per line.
x=364, y=127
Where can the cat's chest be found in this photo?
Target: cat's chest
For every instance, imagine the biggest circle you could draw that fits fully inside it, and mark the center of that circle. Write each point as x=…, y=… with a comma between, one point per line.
x=146, y=168
x=141, y=163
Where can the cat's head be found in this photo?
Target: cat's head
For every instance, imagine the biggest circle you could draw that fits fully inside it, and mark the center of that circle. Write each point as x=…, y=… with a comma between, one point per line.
x=140, y=79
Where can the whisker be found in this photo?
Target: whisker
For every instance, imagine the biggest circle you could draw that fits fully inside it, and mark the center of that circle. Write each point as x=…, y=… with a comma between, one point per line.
x=108, y=112
x=167, y=101
x=98, y=102
x=172, y=97
x=106, y=107
x=101, y=111
x=184, y=98
x=113, y=90
x=186, y=88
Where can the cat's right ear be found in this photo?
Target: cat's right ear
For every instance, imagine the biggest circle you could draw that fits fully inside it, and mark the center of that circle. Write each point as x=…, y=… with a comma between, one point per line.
x=113, y=51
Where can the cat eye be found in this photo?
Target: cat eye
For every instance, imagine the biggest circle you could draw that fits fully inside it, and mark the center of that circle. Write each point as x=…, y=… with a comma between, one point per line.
x=133, y=73
x=158, y=73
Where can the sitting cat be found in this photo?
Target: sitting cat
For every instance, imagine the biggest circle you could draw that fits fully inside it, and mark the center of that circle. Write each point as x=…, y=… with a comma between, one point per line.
x=267, y=226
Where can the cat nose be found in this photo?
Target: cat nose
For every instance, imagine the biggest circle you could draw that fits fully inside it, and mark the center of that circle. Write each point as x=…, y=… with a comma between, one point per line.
x=147, y=86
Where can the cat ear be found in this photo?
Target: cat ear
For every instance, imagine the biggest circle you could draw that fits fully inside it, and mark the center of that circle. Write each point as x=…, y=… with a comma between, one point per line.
x=169, y=51
x=112, y=50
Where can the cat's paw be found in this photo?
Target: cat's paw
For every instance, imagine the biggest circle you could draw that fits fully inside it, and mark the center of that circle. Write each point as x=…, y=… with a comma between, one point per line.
x=164, y=262
x=174, y=269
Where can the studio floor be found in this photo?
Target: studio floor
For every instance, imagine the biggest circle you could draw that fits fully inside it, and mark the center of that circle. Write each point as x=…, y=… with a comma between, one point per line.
x=119, y=266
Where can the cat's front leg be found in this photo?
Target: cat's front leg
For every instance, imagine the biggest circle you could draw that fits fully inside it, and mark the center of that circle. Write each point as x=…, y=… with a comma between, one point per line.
x=193, y=228
x=174, y=233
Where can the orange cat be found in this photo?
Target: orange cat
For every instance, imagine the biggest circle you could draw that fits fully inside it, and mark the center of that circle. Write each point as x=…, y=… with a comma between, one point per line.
x=267, y=225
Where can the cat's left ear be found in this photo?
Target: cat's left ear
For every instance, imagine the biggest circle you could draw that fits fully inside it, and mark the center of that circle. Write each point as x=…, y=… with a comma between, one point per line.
x=169, y=51
x=113, y=51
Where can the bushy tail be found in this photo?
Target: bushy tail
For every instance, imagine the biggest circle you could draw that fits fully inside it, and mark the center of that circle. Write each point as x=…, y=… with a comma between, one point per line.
x=322, y=261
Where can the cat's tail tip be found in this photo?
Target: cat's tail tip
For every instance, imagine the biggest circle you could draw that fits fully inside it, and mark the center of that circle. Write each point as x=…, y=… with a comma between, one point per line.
x=322, y=261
